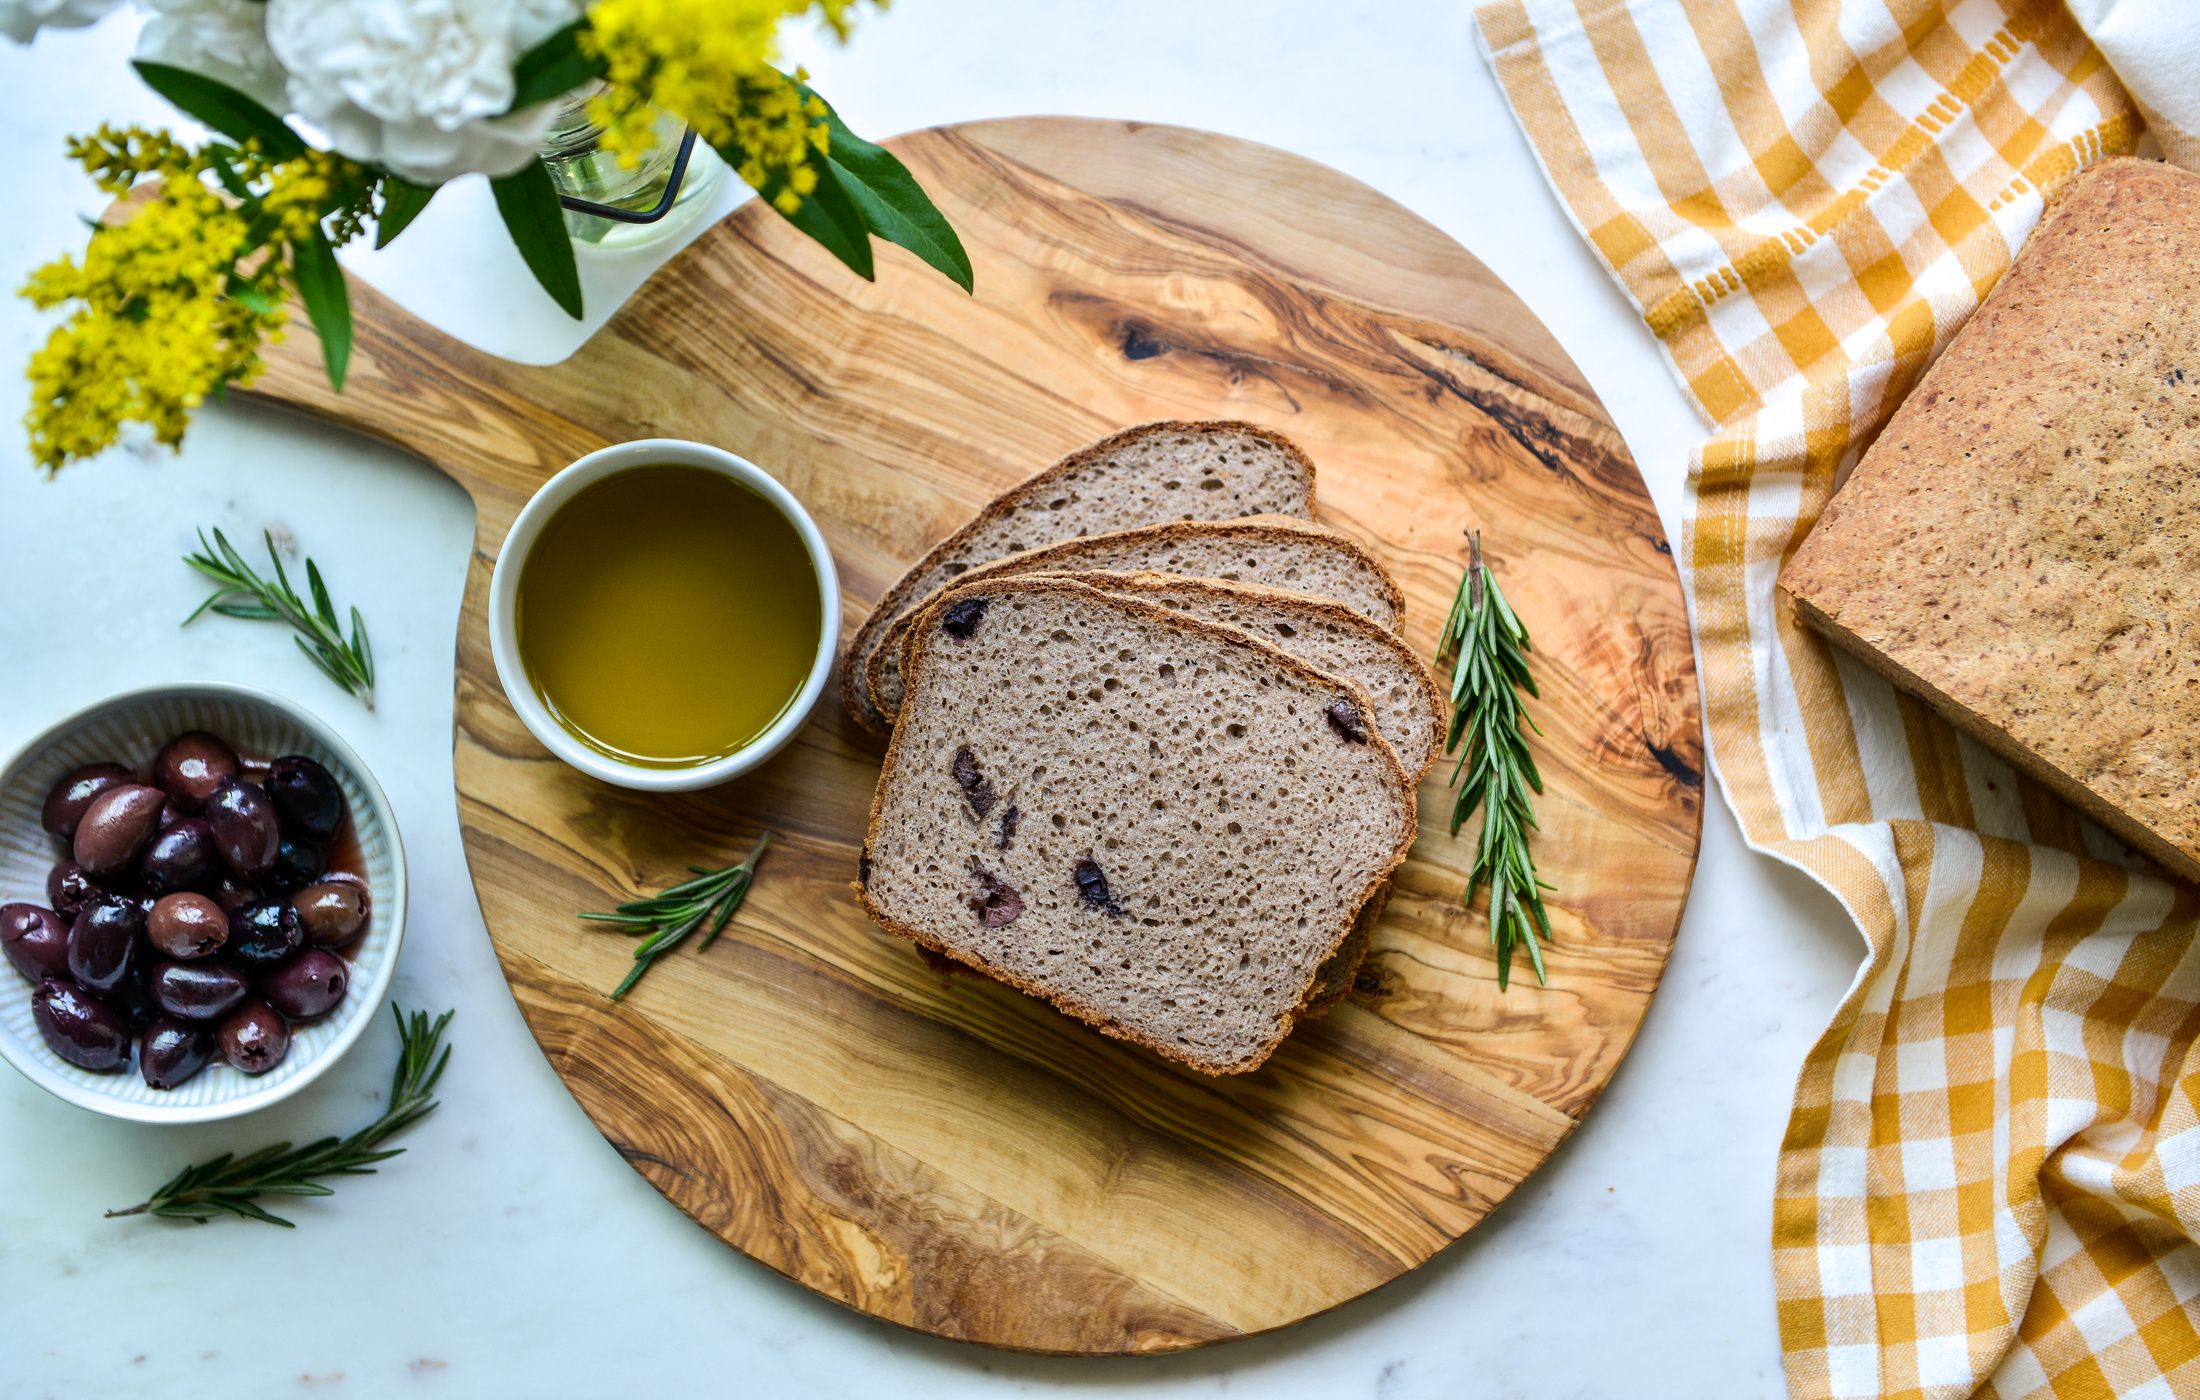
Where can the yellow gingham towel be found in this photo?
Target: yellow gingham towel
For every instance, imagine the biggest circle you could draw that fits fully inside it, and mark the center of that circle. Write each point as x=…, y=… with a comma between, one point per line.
x=1991, y=1176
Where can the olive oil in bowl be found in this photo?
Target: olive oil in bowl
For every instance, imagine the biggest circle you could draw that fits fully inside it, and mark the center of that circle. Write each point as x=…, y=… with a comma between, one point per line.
x=667, y=615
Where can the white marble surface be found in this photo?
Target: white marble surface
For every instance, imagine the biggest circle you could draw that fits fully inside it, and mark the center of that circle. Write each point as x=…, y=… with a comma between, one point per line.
x=511, y=1252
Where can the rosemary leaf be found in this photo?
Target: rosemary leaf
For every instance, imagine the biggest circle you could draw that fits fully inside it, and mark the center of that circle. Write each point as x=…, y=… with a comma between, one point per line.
x=240, y=592
x=1487, y=650
x=231, y=1185
x=665, y=920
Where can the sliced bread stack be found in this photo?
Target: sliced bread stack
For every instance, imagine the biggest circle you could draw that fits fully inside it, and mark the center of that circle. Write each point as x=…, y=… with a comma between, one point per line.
x=1146, y=475
x=1157, y=772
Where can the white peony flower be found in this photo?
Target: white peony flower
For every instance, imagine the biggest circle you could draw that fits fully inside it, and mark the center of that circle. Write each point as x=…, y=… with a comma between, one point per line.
x=224, y=39
x=20, y=19
x=416, y=86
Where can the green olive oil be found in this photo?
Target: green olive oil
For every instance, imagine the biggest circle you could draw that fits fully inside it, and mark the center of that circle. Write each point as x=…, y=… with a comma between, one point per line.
x=668, y=615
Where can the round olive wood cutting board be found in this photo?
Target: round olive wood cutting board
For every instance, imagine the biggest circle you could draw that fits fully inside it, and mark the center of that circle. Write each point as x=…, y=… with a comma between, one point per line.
x=936, y=1149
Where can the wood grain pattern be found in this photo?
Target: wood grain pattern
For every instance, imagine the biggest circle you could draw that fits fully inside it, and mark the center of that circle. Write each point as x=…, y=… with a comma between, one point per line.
x=938, y=1150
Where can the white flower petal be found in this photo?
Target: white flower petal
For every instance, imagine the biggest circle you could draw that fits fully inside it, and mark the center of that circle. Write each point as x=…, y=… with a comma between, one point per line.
x=418, y=86
x=223, y=39
x=21, y=19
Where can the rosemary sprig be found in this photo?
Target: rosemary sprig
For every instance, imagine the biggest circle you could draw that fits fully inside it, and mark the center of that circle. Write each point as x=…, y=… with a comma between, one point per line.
x=229, y=1185
x=1488, y=651
x=669, y=916
x=240, y=592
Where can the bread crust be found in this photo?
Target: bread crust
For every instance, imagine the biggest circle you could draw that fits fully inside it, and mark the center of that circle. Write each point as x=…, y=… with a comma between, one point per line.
x=1273, y=527
x=855, y=696
x=1306, y=605
x=2016, y=546
x=1312, y=993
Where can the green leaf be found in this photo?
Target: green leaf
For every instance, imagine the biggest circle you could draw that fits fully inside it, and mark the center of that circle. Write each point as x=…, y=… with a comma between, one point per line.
x=827, y=214
x=222, y=107
x=402, y=201
x=893, y=204
x=529, y=204
x=554, y=67
x=328, y=303
x=246, y=294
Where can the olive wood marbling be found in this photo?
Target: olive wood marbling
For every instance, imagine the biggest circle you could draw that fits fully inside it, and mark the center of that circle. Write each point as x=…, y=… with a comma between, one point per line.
x=938, y=1150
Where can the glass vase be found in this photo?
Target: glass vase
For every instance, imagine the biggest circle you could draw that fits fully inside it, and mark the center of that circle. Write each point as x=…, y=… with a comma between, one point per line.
x=609, y=204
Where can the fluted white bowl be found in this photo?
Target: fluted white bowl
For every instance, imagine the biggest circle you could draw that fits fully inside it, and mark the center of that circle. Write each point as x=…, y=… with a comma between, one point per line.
x=130, y=728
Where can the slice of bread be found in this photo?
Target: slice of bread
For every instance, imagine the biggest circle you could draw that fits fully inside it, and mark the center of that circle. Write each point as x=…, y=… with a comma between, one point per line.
x=1163, y=827
x=1409, y=710
x=1263, y=549
x=1146, y=475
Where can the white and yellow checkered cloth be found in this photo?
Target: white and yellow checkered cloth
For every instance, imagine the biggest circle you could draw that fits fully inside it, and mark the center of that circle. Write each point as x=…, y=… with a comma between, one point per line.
x=1991, y=1177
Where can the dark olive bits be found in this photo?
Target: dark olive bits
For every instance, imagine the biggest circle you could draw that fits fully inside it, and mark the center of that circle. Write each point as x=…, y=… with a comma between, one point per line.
x=309, y=985
x=66, y=802
x=198, y=991
x=263, y=934
x=307, y=796
x=67, y=887
x=171, y=1051
x=186, y=925
x=80, y=1028
x=135, y=996
x=191, y=766
x=116, y=826
x=36, y=940
x=230, y=890
x=180, y=857
x=255, y=1037
x=244, y=826
x=103, y=943
x=297, y=865
x=334, y=912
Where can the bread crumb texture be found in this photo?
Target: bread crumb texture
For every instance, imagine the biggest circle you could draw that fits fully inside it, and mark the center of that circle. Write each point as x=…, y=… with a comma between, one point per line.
x=2022, y=543
x=1197, y=823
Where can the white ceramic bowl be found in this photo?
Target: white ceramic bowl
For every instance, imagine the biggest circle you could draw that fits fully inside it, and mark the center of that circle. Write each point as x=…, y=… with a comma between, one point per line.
x=130, y=728
x=504, y=607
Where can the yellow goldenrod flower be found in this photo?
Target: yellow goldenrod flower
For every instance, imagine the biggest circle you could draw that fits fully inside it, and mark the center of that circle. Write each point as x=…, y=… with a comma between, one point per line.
x=160, y=314
x=712, y=64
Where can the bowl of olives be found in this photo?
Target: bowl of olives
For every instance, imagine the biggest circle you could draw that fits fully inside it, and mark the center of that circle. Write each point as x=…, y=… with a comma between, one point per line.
x=202, y=894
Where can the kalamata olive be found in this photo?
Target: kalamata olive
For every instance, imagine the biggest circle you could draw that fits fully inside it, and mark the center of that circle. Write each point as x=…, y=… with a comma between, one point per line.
x=36, y=940
x=179, y=857
x=334, y=912
x=198, y=991
x=81, y=1028
x=135, y=995
x=307, y=797
x=171, y=1051
x=309, y=985
x=66, y=801
x=264, y=933
x=67, y=887
x=255, y=1037
x=231, y=891
x=186, y=925
x=103, y=942
x=297, y=865
x=116, y=826
x=244, y=826
x=191, y=766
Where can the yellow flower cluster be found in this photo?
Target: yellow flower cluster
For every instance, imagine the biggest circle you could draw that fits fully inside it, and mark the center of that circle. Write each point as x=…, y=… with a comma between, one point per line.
x=152, y=330
x=160, y=313
x=712, y=64
x=300, y=189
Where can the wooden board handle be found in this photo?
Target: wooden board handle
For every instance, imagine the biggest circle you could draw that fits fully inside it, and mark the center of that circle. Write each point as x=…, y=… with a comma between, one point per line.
x=416, y=388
